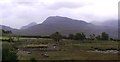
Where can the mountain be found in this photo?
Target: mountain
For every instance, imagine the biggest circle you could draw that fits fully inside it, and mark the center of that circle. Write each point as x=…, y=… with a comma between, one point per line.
x=29, y=25
x=66, y=26
x=9, y=28
x=6, y=28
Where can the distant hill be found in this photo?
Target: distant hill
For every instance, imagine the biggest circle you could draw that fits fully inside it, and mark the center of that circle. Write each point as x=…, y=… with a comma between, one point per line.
x=66, y=26
x=6, y=27
x=63, y=25
x=29, y=25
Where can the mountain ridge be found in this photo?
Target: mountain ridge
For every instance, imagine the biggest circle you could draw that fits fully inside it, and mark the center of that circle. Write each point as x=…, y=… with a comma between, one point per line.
x=65, y=26
x=29, y=25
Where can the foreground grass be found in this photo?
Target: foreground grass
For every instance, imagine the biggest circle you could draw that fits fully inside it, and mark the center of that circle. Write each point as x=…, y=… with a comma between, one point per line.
x=71, y=50
x=69, y=55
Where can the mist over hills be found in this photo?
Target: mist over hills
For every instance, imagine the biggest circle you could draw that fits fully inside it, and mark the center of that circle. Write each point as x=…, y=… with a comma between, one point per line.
x=65, y=26
x=110, y=23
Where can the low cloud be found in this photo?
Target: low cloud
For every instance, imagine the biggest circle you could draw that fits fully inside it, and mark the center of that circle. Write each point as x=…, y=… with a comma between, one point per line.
x=59, y=5
x=17, y=13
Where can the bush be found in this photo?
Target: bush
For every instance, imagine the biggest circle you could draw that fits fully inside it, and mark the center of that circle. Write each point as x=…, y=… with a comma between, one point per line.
x=9, y=53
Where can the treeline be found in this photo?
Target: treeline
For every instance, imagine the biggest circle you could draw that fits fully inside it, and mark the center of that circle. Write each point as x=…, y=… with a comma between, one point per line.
x=34, y=36
x=76, y=36
x=82, y=36
x=6, y=32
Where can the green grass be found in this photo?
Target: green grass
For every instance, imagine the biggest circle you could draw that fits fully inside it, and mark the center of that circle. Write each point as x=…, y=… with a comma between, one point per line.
x=70, y=44
x=102, y=45
x=70, y=55
x=71, y=50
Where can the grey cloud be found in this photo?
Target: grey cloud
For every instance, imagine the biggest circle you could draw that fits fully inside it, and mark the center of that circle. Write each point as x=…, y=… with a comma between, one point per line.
x=21, y=12
x=59, y=5
x=26, y=2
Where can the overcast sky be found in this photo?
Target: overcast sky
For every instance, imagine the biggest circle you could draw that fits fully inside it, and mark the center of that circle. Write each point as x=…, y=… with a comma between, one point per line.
x=16, y=13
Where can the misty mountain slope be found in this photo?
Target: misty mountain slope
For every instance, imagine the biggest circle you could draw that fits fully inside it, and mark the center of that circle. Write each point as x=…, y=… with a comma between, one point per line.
x=110, y=23
x=29, y=25
x=7, y=28
x=66, y=26
x=14, y=31
x=53, y=24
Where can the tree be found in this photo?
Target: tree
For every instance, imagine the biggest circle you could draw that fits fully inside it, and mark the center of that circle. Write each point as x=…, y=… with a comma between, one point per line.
x=64, y=37
x=10, y=32
x=7, y=32
x=71, y=36
x=9, y=53
x=77, y=36
x=111, y=39
x=98, y=37
x=92, y=37
x=104, y=36
x=56, y=36
x=83, y=36
x=3, y=31
x=80, y=36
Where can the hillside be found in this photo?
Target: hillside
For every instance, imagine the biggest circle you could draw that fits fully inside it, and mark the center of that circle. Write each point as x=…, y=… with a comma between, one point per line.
x=66, y=26
x=29, y=25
